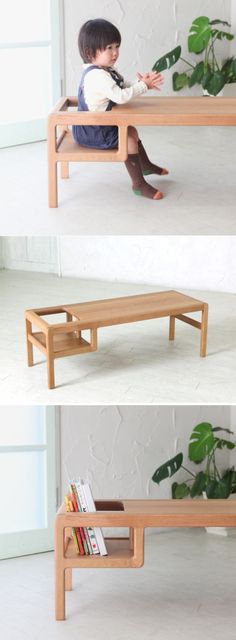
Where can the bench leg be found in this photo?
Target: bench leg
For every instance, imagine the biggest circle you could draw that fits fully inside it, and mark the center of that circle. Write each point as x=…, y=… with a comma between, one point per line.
x=69, y=318
x=204, y=326
x=30, y=355
x=93, y=339
x=65, y=170
x=52, y=183
x=50, y=360
x=172, y=328
x=68, y=580
x=59, y=573
x=131, y=538
x=138, y=547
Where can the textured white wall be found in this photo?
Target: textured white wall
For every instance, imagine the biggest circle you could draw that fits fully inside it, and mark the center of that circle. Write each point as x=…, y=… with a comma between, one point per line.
x=233, y=30
x=117, y=449
x=195, y=262
x=149, y=29
x=172, y=261
x=1, y=252
x=30, y=253
x=232, y=457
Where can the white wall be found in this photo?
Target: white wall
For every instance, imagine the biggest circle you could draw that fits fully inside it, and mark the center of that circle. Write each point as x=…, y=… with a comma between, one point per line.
x=149, y=29
x=117, y=449
x=233, y=24
x=30, y=253
x=194, y=262
x=1, y=252
x=232, y=458
x=172, y=261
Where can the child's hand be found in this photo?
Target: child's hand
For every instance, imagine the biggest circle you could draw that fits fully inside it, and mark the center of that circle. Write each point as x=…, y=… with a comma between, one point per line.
x=152, y=79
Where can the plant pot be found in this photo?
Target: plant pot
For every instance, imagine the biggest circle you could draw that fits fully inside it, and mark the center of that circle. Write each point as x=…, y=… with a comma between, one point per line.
x=228, y=91
x=210, y=95
x=221, y=531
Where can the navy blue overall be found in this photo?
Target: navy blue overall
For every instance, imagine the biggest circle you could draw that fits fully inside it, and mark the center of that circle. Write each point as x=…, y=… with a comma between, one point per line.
x=96, y=137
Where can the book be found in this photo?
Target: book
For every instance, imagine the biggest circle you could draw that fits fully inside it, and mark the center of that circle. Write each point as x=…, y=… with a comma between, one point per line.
x=69, y=507
x=92, y=537
x=85, y=493
x=82, y=530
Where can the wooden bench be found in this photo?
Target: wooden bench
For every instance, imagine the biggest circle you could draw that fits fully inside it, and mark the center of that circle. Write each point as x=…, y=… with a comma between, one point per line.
x=128, y=552
x=177, y=111
x=65, y=339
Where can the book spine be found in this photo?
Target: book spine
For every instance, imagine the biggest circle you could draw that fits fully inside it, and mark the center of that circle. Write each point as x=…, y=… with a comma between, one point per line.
x=78, y=531
x=84, y=534
x=69, y=507
x=90, y=506
x=97, y=531
x=83, y=509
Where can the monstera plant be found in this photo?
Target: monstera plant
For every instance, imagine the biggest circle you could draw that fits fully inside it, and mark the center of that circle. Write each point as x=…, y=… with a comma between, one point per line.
x=205, y=444
x=211, y=74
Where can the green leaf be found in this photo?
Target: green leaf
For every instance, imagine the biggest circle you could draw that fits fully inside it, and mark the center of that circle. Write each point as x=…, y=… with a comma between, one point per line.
x=199, y=485
x=215, y=83
x=201, y=442
x=226, y=24
x=221, y=429
x=180, y=491
x=168, y=469
x=220, y=35
x=229, y=478
x=218, y=489
x=200, y=33
x=233, y=67
x=167, y=61
x=221, y=444
x=206, y=78
x=233, y=480
x=180, y=80
x=229, y=70
x=197, y=74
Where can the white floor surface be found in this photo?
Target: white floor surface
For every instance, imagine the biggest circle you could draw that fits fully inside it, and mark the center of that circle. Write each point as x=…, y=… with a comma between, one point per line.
x=186, y=589
x=134, y=363
x=200, y=189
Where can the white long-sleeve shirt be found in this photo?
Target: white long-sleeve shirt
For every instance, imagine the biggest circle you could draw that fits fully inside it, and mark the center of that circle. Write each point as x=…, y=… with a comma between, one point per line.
x=99, y=88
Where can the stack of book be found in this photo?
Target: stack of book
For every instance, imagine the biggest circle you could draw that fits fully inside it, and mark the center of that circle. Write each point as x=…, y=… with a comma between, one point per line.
x=88, y=540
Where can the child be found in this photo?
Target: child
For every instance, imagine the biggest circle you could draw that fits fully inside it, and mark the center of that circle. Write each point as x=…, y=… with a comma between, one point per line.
x=101, y=87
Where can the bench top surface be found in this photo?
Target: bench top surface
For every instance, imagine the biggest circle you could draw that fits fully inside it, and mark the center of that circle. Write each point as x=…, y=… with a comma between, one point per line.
x=188, y=110
x=133, y=308
x=161, y=512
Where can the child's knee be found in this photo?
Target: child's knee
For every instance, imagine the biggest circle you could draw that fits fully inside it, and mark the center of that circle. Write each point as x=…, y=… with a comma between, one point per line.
x=132, y=144
x=132, y=132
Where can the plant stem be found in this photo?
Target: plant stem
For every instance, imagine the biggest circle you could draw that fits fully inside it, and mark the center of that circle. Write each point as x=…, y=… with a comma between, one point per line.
x=191, y=474
x=211, y=50
x=190, y=65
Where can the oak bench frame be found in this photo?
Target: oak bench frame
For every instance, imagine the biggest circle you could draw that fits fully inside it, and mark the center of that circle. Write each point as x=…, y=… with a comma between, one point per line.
x=147, y=111
x=136, y=515
x=65, y=338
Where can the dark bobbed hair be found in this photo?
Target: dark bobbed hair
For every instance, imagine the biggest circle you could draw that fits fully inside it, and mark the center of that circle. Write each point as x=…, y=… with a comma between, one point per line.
x=94, y=36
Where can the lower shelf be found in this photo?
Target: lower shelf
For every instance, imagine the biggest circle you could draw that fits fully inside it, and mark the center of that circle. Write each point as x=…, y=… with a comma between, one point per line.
x=64, y=343
x=119, y=555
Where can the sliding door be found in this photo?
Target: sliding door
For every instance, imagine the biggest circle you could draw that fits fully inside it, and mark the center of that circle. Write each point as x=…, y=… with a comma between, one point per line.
x=30, y=68
x=28, y=483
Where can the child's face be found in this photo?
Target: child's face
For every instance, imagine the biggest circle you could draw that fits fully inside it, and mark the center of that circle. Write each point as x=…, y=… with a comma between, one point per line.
x=107, y=57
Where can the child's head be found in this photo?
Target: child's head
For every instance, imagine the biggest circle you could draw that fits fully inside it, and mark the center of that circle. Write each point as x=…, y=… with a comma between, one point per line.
x=95, y=37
